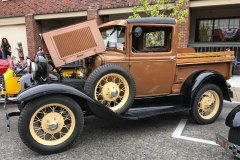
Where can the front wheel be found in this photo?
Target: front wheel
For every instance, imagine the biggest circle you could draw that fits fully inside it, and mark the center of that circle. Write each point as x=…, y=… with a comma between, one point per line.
x=207, y=104
x=50, y=124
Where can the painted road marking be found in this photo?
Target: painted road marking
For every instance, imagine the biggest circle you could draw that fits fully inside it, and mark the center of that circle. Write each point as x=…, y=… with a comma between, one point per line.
x=178, y=134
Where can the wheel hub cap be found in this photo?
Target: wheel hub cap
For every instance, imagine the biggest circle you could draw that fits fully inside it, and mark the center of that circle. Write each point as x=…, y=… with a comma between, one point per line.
x=53, y=125
x=52, y=122
x=110, y=91
x=208, y=104
x=114, y=93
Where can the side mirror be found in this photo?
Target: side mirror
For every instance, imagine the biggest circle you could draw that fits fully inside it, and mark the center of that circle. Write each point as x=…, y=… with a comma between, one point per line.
x=137, y=32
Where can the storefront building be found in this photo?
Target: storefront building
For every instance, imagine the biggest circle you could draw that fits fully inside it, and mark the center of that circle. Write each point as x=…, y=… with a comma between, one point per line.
x=211, y=26
x=215, y=26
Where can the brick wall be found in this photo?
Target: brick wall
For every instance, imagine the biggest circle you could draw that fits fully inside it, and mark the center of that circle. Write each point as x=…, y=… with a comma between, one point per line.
x=184, y=31
x=13, y=8
x=93, y=14
x=33, y=38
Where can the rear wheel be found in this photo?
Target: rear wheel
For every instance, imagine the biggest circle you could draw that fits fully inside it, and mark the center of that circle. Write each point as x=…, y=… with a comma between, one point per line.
x=207, y=104
x=112, y=86
x=50, y=125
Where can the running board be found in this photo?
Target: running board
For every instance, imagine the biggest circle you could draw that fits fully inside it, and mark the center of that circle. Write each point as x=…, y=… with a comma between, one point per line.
x=139, y=113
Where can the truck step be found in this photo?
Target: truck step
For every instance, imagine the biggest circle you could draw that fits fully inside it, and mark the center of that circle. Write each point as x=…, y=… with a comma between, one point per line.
x=167, y=100
x=139, y=113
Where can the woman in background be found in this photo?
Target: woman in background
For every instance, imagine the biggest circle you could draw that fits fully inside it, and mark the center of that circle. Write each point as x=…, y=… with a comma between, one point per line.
x=6, y=48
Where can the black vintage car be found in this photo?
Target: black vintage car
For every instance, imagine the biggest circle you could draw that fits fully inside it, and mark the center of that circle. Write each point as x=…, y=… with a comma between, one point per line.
x=232, y=145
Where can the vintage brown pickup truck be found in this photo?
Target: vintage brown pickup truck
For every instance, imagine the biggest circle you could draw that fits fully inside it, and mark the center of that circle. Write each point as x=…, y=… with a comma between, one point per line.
x=132, y=69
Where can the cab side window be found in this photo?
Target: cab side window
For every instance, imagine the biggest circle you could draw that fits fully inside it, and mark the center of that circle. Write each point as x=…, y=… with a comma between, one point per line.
x=152, y=39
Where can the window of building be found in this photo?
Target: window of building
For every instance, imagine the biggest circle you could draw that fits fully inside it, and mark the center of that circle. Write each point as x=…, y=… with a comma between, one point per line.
x=152, y=39
x=218, y=30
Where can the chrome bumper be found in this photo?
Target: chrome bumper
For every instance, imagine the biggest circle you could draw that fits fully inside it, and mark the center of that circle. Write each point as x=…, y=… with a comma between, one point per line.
x=231, y=148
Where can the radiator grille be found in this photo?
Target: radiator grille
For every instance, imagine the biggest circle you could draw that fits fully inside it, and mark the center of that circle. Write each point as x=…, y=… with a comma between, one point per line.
x=74, y=42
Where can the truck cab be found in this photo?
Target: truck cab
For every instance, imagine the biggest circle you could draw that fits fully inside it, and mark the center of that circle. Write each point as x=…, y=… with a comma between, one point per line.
x=147, y=47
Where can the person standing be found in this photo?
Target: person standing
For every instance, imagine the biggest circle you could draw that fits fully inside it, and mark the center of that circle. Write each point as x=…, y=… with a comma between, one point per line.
x=20, y=53
x=6, y=48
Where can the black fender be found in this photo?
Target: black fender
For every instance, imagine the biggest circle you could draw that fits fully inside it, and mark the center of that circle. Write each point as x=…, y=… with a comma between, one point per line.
x=26, y=80
x=79, y=96
x=233, y=118
x=197, y=79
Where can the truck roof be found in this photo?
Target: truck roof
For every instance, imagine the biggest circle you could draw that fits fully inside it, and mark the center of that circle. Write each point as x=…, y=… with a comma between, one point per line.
x=157, y=20
x=152, y=20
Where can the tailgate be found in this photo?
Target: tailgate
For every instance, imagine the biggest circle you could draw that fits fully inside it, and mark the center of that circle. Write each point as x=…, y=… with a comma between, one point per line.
x=74, y=42
x=204, y=57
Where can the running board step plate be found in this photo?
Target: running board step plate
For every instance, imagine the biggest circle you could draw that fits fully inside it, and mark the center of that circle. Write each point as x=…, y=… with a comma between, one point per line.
x=139, y=113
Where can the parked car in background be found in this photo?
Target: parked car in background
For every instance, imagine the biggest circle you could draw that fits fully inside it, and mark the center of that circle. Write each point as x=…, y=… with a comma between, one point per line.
x=4, y=65
x=232, y=144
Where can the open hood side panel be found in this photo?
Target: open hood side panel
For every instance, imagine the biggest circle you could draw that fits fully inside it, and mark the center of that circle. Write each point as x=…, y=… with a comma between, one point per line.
x=74, y=42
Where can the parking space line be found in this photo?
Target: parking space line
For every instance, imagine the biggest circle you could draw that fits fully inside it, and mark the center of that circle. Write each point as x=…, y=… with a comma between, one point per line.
x=178, y=134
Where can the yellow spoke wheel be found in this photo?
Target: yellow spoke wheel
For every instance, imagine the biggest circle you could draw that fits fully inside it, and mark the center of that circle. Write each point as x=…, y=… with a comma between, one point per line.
x=112, y=90
x=208, y=104
x=113, y=86
x=52, y=124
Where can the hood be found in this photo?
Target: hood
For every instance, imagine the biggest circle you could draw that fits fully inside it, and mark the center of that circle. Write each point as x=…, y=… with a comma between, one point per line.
x=75, y=42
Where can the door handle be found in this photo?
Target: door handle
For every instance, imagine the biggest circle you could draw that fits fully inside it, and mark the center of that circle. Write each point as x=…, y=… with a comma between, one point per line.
x=172, y=58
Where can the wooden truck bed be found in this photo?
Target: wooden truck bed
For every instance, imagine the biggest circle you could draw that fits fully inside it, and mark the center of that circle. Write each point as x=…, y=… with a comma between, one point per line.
x=204, y=57
x=189, y=62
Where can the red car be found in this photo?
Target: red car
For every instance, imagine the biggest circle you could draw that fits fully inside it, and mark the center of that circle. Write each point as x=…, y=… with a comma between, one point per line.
x=4, y=65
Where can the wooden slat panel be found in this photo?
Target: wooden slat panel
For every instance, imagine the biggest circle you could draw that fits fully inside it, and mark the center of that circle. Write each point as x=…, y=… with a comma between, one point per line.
x=206, y=57
x=204, y=54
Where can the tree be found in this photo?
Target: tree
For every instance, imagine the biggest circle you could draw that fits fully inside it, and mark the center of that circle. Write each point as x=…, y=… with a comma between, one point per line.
x=163, y=8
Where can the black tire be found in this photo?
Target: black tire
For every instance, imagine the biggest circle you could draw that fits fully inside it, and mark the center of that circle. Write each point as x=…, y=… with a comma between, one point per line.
x=100, y=72
x=234, y=136
x=20, y=107
x=194, y=113
x=32, y=107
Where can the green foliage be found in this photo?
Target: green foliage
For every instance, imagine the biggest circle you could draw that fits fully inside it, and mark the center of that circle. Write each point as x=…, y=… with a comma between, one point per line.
x=163, y=8
x=154, y=39
x=135, y=13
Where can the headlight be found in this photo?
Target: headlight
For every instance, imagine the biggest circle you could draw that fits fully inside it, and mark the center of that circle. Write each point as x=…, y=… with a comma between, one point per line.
x=34, y=69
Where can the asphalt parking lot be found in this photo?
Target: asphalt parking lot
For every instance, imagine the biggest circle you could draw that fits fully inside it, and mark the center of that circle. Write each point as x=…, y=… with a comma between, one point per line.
x=149, y=138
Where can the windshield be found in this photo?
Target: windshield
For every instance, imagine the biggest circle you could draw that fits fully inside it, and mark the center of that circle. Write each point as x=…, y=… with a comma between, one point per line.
x=114, y=37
